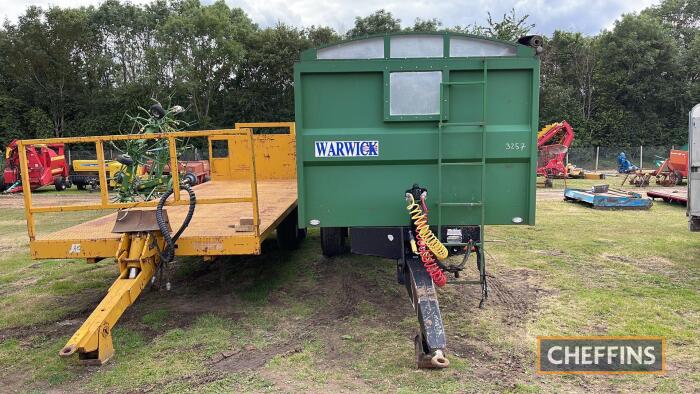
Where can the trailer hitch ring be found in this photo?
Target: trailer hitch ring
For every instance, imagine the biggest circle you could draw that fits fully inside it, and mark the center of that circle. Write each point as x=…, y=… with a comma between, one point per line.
x=439, y=360
x=67, y=351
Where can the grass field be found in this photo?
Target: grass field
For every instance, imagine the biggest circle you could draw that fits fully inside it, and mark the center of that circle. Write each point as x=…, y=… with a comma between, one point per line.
x=292, y=321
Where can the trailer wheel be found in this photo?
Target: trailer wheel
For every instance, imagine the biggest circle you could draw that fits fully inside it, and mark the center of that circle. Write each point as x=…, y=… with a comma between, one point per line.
x=288, y=233
x=190, y=178
x=332, y=241
x=60, y=184
x=678, y=178
x=157, y=111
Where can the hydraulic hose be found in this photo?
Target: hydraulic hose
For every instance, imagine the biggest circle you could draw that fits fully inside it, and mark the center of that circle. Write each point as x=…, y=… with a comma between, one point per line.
x=169, y=253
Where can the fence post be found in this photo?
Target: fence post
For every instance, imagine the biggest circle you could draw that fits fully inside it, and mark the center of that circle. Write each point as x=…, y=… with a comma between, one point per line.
x=597, y=153
x=641, y=158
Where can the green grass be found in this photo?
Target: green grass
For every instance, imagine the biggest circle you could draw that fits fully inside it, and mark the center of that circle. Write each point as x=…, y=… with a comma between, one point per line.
x=313, y=324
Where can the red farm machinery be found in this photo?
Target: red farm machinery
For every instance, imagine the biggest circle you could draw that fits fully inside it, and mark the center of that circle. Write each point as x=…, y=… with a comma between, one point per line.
x=671, y=172
x=674, y=169
x=553, y=141
x=46, y=163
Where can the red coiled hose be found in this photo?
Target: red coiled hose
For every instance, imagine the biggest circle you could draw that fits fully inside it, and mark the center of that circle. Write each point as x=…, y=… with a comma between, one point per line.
x=429, y=263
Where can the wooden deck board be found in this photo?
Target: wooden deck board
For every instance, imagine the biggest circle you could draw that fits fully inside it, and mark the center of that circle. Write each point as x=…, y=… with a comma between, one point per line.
x=275, y=197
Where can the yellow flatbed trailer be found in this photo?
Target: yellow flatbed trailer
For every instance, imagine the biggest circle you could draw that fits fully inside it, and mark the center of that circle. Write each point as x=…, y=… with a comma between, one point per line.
x=253, y=191
x=213, y=231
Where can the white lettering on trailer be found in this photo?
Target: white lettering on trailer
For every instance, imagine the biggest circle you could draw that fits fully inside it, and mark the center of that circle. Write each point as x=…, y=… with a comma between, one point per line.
x=346, y=148
x=74, y=249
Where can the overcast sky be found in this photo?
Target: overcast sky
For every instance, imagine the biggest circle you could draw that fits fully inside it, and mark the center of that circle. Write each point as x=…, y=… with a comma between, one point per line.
x=587, y=16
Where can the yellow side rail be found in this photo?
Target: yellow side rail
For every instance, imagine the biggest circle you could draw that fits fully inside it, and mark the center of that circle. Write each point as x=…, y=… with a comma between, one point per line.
x=291, y=126
x=30, y=210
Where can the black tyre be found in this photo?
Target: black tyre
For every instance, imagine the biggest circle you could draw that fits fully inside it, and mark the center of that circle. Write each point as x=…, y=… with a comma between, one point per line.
x=80, y=186
x=288, y=233
x=190, y=179
x=59, y=184
x=125, y=159
x=678, y=179
x=332, y=241
x=157, y=111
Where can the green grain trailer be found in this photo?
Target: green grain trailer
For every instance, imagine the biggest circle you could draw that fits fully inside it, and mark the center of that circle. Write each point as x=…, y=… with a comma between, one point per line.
x=446, y=121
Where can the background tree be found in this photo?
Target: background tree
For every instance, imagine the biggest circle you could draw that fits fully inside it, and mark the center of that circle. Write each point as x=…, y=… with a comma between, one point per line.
x=638, y=77
x=510, y=28
x=380, y=21
x=567, y=85
x=77, y=71
x=204, y=45
x=426, y=25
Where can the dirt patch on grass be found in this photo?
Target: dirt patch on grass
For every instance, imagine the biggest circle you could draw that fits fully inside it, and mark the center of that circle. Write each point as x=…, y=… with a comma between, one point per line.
x=514, y=296
x=17, y=285
x=652, y=265
x=250, y=357
x=344, y=291
x=11, y=201
x=550, y=194
x=551, y=252
x=48, y=330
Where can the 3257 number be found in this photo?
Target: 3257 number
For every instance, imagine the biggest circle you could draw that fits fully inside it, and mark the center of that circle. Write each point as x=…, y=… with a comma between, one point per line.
x=515, y=146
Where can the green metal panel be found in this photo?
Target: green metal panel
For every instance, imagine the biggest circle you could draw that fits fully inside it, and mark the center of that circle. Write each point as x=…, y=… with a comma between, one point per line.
x=349, y=100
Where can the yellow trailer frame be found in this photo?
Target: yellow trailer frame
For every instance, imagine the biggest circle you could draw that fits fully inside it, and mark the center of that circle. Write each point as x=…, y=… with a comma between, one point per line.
x=270, y=169
x=273, y=153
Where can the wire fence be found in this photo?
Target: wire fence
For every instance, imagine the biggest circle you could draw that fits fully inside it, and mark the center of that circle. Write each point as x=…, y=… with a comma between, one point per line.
x=604, y=158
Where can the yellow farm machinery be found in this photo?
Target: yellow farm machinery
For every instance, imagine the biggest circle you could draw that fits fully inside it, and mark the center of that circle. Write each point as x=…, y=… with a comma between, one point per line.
x=252, y=194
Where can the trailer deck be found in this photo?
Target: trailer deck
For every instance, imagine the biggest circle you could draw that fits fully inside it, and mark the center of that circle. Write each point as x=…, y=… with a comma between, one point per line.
x=212, y=230
x=674, y=196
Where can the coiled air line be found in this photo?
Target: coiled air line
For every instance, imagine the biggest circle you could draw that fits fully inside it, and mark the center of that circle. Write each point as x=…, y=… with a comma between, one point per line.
x=429, y=246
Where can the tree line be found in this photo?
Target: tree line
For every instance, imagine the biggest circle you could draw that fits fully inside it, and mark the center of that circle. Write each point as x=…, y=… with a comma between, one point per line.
x=78, y=71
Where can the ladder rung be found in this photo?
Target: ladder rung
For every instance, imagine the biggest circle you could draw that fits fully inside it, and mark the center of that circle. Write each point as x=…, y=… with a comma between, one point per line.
x=463, y=163
x=445, y=124
x=464, y=83
x=460, y=204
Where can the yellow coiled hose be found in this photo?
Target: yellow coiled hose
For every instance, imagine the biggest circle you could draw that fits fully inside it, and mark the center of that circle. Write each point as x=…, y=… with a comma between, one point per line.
x=421, y=222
